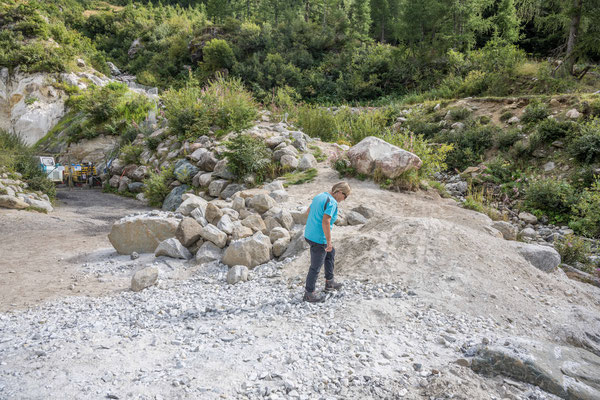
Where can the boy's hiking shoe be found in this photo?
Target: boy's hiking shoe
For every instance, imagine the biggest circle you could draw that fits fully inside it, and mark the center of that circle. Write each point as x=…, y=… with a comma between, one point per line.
x=311, y=297
x=332, y=285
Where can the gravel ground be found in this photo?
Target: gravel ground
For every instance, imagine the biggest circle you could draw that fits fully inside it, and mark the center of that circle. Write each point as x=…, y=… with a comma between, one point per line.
x=203, y=338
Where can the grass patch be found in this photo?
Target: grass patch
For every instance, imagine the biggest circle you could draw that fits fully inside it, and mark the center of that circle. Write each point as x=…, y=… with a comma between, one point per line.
x=318, y=153
x=36, y=209
x=440, y=188
x=297, y=178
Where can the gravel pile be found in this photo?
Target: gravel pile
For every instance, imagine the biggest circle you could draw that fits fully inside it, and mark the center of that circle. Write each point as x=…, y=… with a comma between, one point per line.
x=202, y=338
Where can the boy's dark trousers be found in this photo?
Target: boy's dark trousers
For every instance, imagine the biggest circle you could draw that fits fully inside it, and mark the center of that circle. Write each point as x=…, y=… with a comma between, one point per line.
x=318, y=257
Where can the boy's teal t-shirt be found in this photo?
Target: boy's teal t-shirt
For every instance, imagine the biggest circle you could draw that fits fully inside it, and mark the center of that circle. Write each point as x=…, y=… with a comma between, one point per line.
x=314, y=223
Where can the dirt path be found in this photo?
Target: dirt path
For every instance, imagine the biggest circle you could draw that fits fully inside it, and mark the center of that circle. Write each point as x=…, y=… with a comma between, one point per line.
x=40, y=254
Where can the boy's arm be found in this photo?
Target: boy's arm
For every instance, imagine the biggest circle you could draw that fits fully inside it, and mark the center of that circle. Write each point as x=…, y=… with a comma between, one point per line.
x=327, y=230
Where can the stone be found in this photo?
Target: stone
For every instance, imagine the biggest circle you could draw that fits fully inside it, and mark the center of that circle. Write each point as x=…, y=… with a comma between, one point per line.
x=280, y=196
x=283, y=151
x=285, y=219
x=141, y=233
x=237, y=273
x=188, y=232
x=135, y=46
x=114, y=71
x=208, y=252
x=173, y=199
x=565, y=371
x=279, y=233
x=141, y=197
x=297, y=244
x=254, y=222
x=136, y=187
x=262, y=203
x=124, y=184
x=213, y=213
x=299, y=216
x=573, y=114
x=197, y=154
x=271, y=223
x=7, y=201
x=214, y=235
x=42, y=204
x=457, y=188
x=207, y=161
x=216, y=187
x=529, y=233
x=240, y=231
x=250, y=251
x=191, y=203
x=355, y=218
x=172, y=248
x=274, y=186
x=288, y=161
x=544, y=258
x=231, y=189
x=222, y=171
x=144, y=278
x=513, y=120
x=280, y=246
x=508, y=230
x=238, y=204
x=549, y=166
x=80, y=63
x=373, y=154
x=458, y=126
x=365, y=211
x=274, y=141
x=528, y=218
x=184, y=171
x=225, y=224
x=139, y=174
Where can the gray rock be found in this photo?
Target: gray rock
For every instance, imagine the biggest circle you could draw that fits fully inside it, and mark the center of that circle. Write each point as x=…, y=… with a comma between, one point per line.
x=285, y=219
x=355, y=218
x=280, y=196
x=250, y=251
x=204, y=179
x=273, y=186
x=238, y=204
x=280, y=246
x=222, y=171
x=457, y=188
x=136, y=187
x=185, y=171
x=172, y=248
x=225, y=224
x=279, y=233
x=544, y=258
x=297, y=244
x=271, y=223
x=42, y=204
x=568, y=372
x=173, y=199
x=508, y=230
x=288, y=161
x=208, y=252
x=231, y=189
x=124, y=184
x=207, y=161
x=529, y=233
x=215, y=235
x=365, y=211
x=144, y=278
x=237, y=273
x=262, y=203
x=216, y=187
x=191, y=203
x=254, y=222
x=299, y=216
x=513, y=120
x=188, y=232
x=240, y=231
x=141, y=233
x=549, y=166
x=528, y=218
x=573, y=114
x=213, y=213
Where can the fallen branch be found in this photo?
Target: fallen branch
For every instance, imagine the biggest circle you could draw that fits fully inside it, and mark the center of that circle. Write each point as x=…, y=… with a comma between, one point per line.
x=582, y=276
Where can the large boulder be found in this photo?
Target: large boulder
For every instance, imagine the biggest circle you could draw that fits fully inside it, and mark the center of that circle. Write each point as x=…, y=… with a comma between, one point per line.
x=254, y=222
x=222, y=170
x=297, y=244
x=508, y=230
x=41, y=204
x=172, y=248
x=141, y=233
x=568, y=372
x=262, y=203
x=544, y=258
x=191, y=203
x=250, y=251
x=173, y=199
x=7, y=201
x=216, y=187
x=307, y=161
x=372, y=154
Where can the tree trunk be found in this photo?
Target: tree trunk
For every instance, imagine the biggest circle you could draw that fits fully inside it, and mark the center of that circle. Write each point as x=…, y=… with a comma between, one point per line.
x=573, y=33
x=307, y=11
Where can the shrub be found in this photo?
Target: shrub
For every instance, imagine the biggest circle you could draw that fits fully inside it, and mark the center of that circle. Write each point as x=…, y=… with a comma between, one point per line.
x=506, y=115
x=550, y=130
x=586, y=147
x=317, y=122
x=552, y=198
x=157, y=186
x=130, y=154
x=191, y=111
x=572, y=249
x=459, y=114
x=586, y=213
x=534, y=112
x=506, y=138
x=247, y=155
x=152, y=142
x=469, y=145
x=217, y=54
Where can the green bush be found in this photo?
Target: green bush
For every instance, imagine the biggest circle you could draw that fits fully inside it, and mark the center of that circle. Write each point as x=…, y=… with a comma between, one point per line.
x=586, y=213
x=506, y=138
x=152, y=142
x=459, y=114
x=572, y=249
x=217, y=54
x=157, y=186
x=247, y=155
x=552, y=198
x=506, y=115
x=534, y=112
x=130, y=154
x=317, y=122
x=469, y=145
x=586, y=147
x=224, y=103
x=550, y=130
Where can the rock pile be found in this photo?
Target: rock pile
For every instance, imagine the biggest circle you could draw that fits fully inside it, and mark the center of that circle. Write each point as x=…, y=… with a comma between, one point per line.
x=249, y=230
x=14, y=194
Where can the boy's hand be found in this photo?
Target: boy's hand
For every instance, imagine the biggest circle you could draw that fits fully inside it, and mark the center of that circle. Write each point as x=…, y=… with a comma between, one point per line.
x=329, y=247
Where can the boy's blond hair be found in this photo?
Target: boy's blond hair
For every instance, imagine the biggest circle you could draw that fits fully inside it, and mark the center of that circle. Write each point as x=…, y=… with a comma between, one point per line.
x=341, y=187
